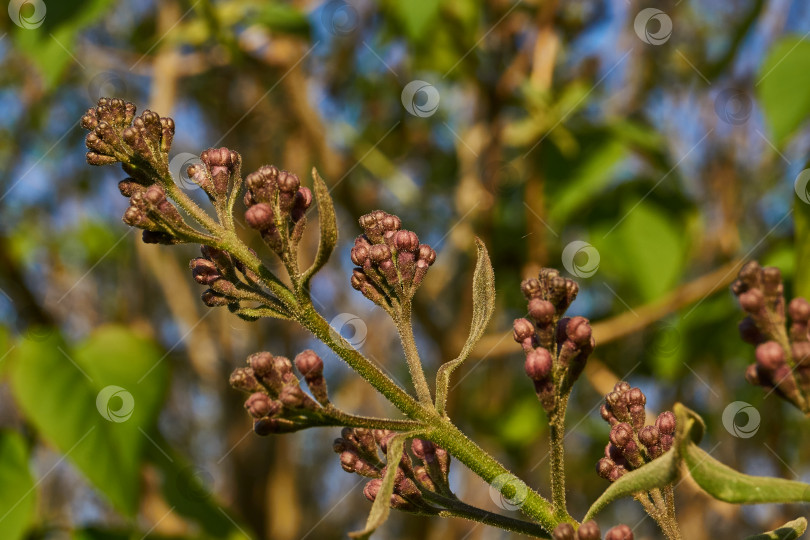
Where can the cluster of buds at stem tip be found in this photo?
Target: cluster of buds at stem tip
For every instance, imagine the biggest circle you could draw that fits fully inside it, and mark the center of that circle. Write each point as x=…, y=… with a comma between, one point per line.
x=632, y=444
x=219, y=171
x=782, y=351
x=391, y=263
x=233, y=285
x=423, y=469
x=276, y=207
x=141, y=145
x=277, y=402
x=590, y=531
x=556, y=346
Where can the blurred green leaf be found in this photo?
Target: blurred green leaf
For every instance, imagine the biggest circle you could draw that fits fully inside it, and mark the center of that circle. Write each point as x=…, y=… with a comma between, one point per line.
x=647, y=249
x=281, y=17
x=417, y=16
x=788, y=531
x=94, y=403
x=17, y=489
x=52, y=46
x=186, y=490
x=782, y=82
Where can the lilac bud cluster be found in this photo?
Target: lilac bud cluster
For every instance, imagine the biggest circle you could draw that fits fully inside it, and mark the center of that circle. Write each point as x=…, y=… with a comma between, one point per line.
x=782, y=352
x=276, y=206
x=590, y=531
x=216, y=175
x=556, y=346
x=229, y=283
x=632, y=444
x=424, y=467
x=141, y=144
x=277, y=402
x=391, y=263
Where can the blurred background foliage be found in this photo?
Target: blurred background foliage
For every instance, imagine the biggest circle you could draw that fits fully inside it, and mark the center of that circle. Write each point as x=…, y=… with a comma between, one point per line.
x=557, y=122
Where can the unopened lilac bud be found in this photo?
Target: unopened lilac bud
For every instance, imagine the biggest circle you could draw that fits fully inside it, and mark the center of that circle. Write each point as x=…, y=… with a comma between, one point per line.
x=619, y=532
x=523, y=330
x=309, y=364
x=288, y=182
x=770, y=355
x=244, y=379
x=260, y=216
x=666, y=442
x=379, y=253
x=538, y=364
x=632, y=454
x=223, y=286
x=292, y=396
x=617, y=472
x=262, y=363
x=406, y=241
x=204, y=271
x=604, y=467
x=649, y=436
x=589, y=531
x=372, y=489
x=751, y=375
x=423, y=449
x=771, y=279
x=800, y=350
x=621, y=434
x=636, y=397
x=542, y=311
x=531, y=288
x=666, y=423
x=578, y=330
x=359, y=255
x=752, y=301
x=563, y=531
x=427, y=254
x=799, y=310
x=607, y=415
x=211, y=298
x=259, y=404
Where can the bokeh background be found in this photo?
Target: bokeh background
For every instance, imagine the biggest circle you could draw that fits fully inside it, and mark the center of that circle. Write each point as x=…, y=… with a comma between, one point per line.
x=665, y=146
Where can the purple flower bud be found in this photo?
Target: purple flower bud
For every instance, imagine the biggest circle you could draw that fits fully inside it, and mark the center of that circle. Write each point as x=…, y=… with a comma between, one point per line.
x=427, y=254
x=649, y=436
x=542, y=311
x=636, y=397
x=607, y=415
x=666, y=423
x=406, y=241
x=211, y=298
x=372, y=489
x=771, y=279
x=359, y=255
x=752, y=301
x=379, y=253
x=799, y=310
x=423, y=449
x=617, y=472
x=309, y=364
x=622, y=387
x=666, y=442
x=619, y=532
x=638, y=416
x=563, y=531
x=303, y=200
x=531, y=288
x=288, y=182
x=259, y=404
x=800, y=350
x=621, y=434
x=243, y=378
x=589, y=531
x=523, y=330
x=578, y=330
x=538, y=364
x=751, y=375
x=204, y=271
x=749, y=331
x=260, y=216
x=770, y=355
x=604, y=467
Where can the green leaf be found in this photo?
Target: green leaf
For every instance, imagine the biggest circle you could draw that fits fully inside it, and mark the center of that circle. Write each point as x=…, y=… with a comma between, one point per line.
x=185, y=489
x=17, y=495
x=725, y=484
x=782, y=83
x=801, y=217
x=281, y=17
x=788, y=531
x=94, y=403
x=381, y=506
x=417, y=16
x=483, y=306
x=328, y=227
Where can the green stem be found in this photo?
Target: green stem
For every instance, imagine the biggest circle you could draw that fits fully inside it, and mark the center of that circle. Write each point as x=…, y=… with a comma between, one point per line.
x=405, y=327
x=343, y=418
x=459, y=509
x=557, y=443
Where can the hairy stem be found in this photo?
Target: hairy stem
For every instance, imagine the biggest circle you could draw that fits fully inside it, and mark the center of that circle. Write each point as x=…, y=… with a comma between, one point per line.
x=456, y=508
x=405, y=327
x=557, y=443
